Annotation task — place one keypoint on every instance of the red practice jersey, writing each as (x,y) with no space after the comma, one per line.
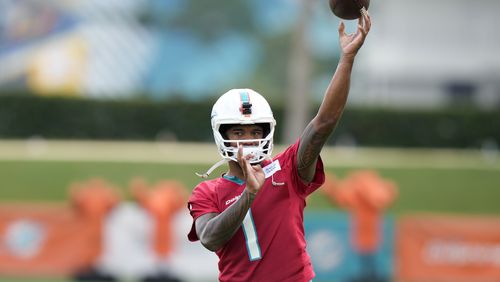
(270,245)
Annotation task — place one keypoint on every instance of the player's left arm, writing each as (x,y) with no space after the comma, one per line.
(322,125)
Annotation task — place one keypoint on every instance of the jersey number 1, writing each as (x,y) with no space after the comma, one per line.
(252,242)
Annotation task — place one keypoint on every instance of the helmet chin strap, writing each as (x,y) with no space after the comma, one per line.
(210,170)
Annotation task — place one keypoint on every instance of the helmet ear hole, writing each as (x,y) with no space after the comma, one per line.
(223,130)
(266,128)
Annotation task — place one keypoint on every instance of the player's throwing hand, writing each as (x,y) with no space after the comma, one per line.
(350,43)
(254,175)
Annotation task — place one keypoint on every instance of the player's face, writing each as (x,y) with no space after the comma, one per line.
(245,132)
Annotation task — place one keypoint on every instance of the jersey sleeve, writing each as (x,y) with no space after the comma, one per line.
(202,201)
(289,157)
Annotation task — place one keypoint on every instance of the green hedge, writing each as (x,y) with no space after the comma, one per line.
(71,118)
(23,116)
(453,128)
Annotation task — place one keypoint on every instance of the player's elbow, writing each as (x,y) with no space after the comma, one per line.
(210,241)
(209,244)
(325,125)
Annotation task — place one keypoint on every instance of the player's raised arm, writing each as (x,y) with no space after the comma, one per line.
(319,129)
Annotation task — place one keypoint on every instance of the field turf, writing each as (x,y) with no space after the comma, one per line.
(428,180)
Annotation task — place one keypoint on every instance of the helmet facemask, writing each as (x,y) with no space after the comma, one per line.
(228,148)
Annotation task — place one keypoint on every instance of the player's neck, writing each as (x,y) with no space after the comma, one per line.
(235,170)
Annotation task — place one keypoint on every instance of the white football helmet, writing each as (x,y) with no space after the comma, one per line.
(243,106)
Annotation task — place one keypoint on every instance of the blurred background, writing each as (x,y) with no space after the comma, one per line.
(104,106)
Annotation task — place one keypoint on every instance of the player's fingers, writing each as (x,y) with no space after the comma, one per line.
(244,160)
(241,160)
(341,29)
(361,25)
(362,30)
(365,13)
(257,167)
(239,155)
(367,20)
(360,34)
(258,170)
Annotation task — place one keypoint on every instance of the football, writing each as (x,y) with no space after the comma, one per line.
(348,9)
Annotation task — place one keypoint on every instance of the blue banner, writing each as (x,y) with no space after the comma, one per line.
(333,257)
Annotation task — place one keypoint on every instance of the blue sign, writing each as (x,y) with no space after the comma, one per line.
(329,244)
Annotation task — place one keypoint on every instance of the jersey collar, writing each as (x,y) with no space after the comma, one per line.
(234,179)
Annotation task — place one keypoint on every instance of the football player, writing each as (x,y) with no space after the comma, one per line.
(252,216)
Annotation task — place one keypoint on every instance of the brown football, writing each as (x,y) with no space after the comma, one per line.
(348,9)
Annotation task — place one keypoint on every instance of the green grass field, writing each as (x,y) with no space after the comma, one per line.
(428,180)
